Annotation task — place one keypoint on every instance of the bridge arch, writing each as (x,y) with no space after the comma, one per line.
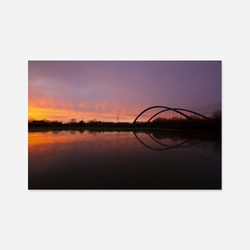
(164,109)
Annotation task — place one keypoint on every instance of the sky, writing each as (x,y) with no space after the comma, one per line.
(65,90)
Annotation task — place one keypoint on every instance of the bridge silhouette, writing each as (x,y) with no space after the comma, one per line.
(154,111)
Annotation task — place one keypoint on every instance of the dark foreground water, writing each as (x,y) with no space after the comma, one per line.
(122,160)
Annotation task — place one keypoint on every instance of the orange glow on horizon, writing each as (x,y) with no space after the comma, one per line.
(65,115)
(45,105)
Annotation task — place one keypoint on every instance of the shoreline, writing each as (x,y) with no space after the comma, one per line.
(181,132)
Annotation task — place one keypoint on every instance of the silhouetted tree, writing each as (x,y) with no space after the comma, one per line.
(81,123)
(73,120)
(217,114)
(94,120)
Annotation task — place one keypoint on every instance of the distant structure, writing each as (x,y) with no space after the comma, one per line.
(153,111)
(36,122)
(44,123)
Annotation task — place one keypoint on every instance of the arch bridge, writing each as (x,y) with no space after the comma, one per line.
(148,114)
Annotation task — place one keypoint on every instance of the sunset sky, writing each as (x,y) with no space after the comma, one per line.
(62,90)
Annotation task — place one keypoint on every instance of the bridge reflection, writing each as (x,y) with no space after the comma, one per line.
(167,142)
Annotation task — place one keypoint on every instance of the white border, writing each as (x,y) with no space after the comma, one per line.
(120,30)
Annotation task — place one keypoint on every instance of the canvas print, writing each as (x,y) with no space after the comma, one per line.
(124,125)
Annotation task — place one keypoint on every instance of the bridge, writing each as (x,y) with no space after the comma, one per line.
(148,114)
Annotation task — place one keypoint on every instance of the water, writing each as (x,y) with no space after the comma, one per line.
(122,160)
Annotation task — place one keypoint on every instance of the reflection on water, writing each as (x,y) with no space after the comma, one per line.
(122,160)
(157,139)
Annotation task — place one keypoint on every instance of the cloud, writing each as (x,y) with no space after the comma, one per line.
(104,89)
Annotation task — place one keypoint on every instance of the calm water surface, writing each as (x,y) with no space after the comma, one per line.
(122,160)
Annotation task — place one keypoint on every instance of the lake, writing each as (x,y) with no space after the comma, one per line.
(87,159)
